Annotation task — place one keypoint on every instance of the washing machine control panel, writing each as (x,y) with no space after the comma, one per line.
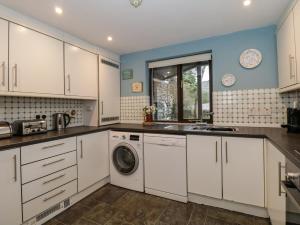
(134,137)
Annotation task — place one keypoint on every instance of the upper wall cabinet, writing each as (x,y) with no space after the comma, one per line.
(3,56)
(81,72)
(109,85)
(36,62)
(288,41)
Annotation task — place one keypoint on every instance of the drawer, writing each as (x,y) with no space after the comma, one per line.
(40,204)
(45,150)
(43,185)
(45,167)
(165,140)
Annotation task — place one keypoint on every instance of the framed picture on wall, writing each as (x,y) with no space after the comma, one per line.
(137,87)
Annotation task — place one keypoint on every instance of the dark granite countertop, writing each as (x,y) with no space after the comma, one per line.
(287,143)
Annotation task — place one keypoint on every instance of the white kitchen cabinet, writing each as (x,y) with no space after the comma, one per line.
(297,39)
(204,165)
(36,62)
(276,199)
(93,159)
(243,170)
(81,72)
(10,182)
(3,56)
(286,48)
(109,88)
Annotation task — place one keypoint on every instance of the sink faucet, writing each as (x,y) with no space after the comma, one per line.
(200,121)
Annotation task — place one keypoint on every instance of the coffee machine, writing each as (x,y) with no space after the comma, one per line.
(293,120)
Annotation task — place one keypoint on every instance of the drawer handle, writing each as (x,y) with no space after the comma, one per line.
(216,152)
(15,168)
(54,179)
(53,196)
(54,162)
(279,178)
(226,151)
(53,146)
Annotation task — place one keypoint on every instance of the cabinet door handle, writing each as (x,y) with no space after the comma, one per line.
(54,162)
(16,75)
(292,66)
(81,149)
(15,168)
(216,151)
(53,146)
(53,196)
(280,192)
(54,179)
(226,151)
(69,82)
(102,108)
(3,74)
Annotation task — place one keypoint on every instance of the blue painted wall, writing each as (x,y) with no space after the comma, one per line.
(226,50)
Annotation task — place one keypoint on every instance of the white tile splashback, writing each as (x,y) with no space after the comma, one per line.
(255,107)
(26,108)
(132,108)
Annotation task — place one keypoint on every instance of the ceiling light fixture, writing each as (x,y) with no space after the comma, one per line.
(136,3)
(58,10)
(109,38)
(247,2)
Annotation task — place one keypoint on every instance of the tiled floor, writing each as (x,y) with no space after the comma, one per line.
(116,206)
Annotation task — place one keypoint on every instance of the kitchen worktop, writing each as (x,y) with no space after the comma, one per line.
(287,143)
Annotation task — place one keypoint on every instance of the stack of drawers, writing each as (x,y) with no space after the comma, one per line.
(49,175)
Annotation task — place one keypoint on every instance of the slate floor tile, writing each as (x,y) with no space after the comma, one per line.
(117,206)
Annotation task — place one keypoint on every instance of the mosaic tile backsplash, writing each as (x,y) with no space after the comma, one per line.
(132,108)
(26,108)
(256,107)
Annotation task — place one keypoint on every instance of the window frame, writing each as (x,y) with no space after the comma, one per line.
(180,93)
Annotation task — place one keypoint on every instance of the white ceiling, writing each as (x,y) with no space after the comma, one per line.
(156,23)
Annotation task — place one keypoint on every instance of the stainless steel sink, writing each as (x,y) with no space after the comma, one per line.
(213,128)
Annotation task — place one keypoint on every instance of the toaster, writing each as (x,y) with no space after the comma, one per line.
(5,130)
(29,127)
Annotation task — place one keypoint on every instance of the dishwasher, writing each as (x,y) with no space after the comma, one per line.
(165,166)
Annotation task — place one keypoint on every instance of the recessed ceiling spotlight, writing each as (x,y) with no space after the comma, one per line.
(109,38)
(247,2)
(58,10)
(136,3)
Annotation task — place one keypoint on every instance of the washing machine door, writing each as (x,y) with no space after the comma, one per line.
(125,159)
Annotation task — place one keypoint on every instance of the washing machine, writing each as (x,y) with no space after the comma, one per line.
(127,160)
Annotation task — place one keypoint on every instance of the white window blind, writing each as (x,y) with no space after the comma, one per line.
(181,60)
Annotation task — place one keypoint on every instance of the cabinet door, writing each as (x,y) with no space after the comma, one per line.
(36,62)
(10,182)
(3,56)
(297,37)
(286,53)
(276,202)
(243,170)
(204,162)
(81,72)
(109,85)
(93,159)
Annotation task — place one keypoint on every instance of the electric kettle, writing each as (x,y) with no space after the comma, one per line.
(61,120)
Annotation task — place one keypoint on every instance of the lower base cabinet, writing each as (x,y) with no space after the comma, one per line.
(276,202)
(10,182)
(93,159)
(227,168)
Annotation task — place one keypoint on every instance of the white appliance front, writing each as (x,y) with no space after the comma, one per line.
(126,160)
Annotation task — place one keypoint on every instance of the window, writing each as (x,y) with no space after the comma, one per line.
(182,92)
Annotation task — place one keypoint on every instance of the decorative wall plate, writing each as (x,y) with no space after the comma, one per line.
(137,87)
(228,80)
(250,58)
